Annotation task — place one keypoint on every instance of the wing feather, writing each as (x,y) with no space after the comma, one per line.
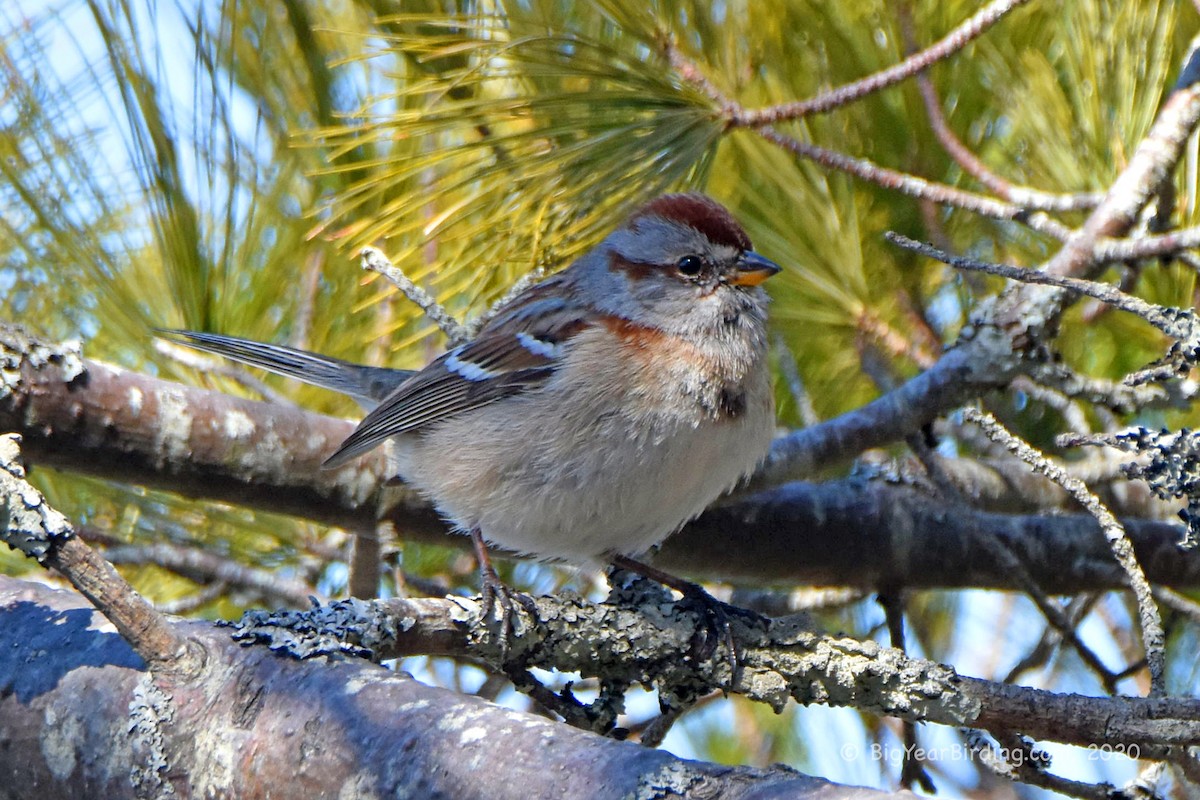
(516,352)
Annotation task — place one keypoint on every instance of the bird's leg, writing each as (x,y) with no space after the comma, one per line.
(495,592)
(716,612)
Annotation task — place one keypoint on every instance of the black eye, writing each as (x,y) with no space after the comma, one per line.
(690,265)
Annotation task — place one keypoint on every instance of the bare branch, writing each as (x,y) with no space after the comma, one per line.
(31,526)
(1159,246)
(947,46)
(374,260)
(1024,196)
(205,567)
(917,187)
(1153,638)
(795,384)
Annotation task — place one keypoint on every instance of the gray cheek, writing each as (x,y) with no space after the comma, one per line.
(652,292)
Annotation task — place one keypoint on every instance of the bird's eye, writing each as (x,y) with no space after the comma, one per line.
(690,265)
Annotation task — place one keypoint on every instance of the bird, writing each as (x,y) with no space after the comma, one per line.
(596,412)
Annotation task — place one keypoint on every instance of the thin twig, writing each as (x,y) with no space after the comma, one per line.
(1033,199)
(999,550)
(923,334)
(1161,245)
(212,366)
(1153,638)
(897,344)
(189,603)
(1189,258)
(1052,637)
(652,731)
(374,260)
(1024,196)
(913,186)
(527,280)
(1179,324)
(791,376)
(913,769)
(1178,603)
(1017,760)
(948,45)
(1073,414)
(206,567)
(310,282)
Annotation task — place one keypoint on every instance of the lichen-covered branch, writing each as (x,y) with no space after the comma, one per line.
(252,724)
(86,416)
(1153,637)
(30,525)
(374,260)
(840,533)
(641,636)
(1005,331)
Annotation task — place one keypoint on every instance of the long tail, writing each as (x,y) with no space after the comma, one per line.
(367,385)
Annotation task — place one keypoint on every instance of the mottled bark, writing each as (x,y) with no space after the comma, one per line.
(81,718)
(639,636)
(129,427)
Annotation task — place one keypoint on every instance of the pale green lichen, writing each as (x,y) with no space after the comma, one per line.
(29,524)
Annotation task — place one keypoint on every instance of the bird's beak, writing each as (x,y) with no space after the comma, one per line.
(752,269)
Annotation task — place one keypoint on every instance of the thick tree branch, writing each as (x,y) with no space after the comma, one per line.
(993,349)
(780,662)
(850,532)
(255,725)
(30,525)
(89,417)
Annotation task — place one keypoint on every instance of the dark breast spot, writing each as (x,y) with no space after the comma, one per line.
(732,402)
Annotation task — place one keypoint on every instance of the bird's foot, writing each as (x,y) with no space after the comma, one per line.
(717,615)
(499,597)
(496,595)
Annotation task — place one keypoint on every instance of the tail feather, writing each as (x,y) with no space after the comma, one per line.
(367,385)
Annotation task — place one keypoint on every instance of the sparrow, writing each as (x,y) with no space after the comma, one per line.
(596,412)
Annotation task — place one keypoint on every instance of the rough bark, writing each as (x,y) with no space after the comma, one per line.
(80,717)
(640,636)
(86,416)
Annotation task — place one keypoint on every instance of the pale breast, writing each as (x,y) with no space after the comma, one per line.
(565,472)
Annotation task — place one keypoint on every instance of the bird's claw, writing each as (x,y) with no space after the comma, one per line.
(718,626)
(496,595)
